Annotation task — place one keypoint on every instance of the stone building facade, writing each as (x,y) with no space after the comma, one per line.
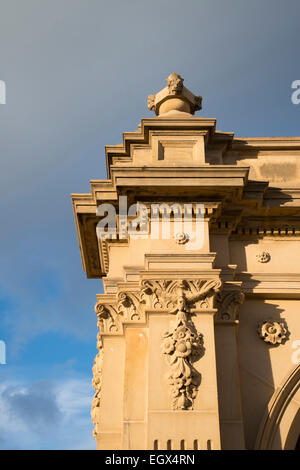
(199,327)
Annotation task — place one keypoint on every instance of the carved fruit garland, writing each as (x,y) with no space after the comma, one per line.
(182,344)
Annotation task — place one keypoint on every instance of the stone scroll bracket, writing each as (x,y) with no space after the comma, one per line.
(228,301)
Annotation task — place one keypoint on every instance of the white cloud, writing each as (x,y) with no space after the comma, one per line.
(46,415)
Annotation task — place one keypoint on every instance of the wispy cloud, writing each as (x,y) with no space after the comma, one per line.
(46,415)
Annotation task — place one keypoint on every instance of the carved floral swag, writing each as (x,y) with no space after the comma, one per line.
(182,344)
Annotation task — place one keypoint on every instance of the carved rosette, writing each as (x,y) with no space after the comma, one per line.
(181,238)
(263,257)
(272,332)
(182,345)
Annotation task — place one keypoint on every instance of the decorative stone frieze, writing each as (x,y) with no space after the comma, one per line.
(272,331)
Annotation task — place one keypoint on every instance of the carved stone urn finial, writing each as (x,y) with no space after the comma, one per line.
(174,97)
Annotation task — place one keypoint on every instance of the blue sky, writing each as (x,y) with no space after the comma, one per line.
(78,73)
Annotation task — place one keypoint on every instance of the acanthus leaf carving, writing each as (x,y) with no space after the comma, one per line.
(202,291)
(168,294)
(158,294)
(108,318)
(129,306)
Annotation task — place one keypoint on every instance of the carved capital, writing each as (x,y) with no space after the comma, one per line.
(108,318)
(158,294)
(174,295)
(129,306)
